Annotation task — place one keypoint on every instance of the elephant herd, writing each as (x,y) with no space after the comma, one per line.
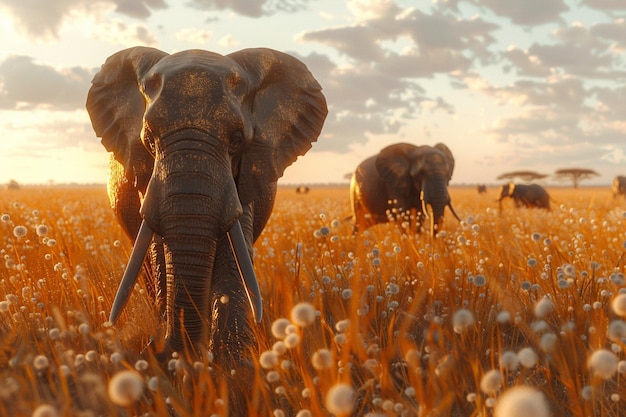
(198,141)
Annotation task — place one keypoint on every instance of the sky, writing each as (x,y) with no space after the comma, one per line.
(534,85)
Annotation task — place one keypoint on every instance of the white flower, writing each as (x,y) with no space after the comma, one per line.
(141,365)
(322,359)
(45,410)
(522,401)
(342,325)
(41,362)
(279,327)
(340,399)
(544,307)
(602,363)
(491,382)
(619,305)
(461,320)
(292,340)
(125,388)
(509,360)
(527,357)
(268,359)
(617,331)
(548,342)
(42,230)
(20,231)
(303,314)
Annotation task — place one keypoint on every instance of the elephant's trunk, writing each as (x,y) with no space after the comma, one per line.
(435,195)
(189,255)
(191,202)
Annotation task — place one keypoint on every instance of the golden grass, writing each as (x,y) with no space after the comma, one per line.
(389,310)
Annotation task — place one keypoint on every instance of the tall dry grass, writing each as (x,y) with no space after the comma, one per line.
(381,324)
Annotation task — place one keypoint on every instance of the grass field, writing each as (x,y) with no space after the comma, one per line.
(382,324)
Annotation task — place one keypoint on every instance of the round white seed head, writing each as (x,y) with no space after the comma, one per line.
(522,401)
(125,388)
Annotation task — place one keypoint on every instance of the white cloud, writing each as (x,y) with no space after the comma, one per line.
(194,35)
(42,19)
(25,84)
(527,12)
(228,41)
(391,70)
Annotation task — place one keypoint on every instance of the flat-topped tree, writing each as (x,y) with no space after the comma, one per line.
(576,175)
(526,176)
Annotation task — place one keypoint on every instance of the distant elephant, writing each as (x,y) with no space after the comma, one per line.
(402,178)
(303,189)
(619,186)
(531,195)
(482,188)
(198,141)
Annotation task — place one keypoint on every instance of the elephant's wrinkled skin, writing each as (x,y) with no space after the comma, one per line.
(402,178)
(531,195)
(198,141)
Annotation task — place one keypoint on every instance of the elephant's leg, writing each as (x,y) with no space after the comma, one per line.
(231,335)
(231,316)
(124,198)
(125,202)
(359,214)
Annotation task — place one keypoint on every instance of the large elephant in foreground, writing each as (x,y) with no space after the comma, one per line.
(530,195)
(619,186)
(402,178)
(198,141)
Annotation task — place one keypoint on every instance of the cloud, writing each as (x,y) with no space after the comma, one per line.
(355,112)
(614,32)
(389,50)
(25,85)
(606,5)
(252,8)
(576,50)
(194,35)
(527,12)
(44,18)
(559,113)
(139,9)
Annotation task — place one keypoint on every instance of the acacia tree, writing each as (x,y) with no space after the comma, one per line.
(576,175)
(527,176)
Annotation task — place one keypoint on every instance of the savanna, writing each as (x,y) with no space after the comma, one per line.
(519,310)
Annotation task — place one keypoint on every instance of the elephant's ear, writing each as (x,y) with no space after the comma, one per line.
(116,106)
(287,113)
(393,164)
(446,151)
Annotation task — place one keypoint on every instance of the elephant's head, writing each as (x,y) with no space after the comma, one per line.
(506,191)
(203,138)
(423,171)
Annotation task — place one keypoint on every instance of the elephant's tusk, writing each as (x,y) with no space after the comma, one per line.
(137,255)
(433,226)
(424,208)
(246,270)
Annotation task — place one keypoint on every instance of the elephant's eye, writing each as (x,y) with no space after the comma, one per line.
(236,142)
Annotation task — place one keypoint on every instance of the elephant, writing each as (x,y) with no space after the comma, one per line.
(402,178)
(197,142)
(619,186)
(527,195)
